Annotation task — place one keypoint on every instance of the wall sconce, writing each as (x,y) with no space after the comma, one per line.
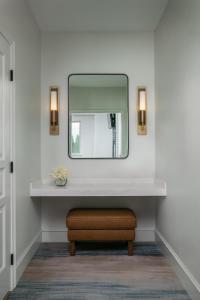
(142,110)
(54,117)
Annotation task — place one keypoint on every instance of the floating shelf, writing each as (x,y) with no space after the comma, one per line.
(100,187)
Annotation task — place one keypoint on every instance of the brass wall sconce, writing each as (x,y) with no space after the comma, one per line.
(54,111)
(142,111)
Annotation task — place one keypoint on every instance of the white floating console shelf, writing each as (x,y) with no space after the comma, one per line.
(100,187)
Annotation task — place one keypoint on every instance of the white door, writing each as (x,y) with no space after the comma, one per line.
(5,176)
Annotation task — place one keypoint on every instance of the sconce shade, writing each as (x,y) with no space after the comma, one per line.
(54,100)
(142,98)
(54,116)
(142,111)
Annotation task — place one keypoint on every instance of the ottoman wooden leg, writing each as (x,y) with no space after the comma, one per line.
(130,248)
(72,248)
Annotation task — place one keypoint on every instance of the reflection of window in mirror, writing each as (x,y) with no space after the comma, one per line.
(76,147)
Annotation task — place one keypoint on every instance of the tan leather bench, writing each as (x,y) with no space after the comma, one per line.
(106,224)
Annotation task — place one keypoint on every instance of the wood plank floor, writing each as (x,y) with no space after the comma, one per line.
(99,272)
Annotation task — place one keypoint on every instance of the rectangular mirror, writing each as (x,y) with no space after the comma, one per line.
(98,116)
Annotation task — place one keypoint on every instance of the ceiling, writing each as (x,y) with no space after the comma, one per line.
(97,15)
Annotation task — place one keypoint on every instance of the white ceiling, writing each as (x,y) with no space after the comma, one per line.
(97,15)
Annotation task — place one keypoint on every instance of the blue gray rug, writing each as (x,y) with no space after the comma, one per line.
(99,272)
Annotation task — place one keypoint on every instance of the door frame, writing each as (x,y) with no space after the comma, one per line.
(11,43)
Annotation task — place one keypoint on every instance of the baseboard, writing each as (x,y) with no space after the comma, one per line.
(27,255)
(50,236)
(184,274)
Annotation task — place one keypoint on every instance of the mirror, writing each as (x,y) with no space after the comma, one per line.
(98,116)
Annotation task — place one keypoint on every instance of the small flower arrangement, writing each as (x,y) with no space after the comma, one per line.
(60,176)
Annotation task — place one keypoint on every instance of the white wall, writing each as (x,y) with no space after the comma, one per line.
(177,129)
(130,53)
(65,53)
(16,20)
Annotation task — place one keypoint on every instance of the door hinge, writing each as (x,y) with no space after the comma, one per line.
(12,259)
(11,75)
(11,167)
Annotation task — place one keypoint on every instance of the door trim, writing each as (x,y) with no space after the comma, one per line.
(11,42)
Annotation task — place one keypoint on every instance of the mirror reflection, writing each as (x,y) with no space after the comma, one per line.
(98,116)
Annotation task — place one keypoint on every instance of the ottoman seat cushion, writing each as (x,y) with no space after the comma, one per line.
(101,219)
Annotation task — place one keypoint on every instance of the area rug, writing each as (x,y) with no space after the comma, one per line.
(99,272)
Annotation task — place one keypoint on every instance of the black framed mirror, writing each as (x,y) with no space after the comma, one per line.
(98,116)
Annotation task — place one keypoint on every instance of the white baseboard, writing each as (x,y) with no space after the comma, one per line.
(142,235)
(27,255)
(184,274)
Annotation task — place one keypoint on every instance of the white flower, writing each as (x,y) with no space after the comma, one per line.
(59,173)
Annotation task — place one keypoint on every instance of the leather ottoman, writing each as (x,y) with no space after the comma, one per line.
(106,224)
